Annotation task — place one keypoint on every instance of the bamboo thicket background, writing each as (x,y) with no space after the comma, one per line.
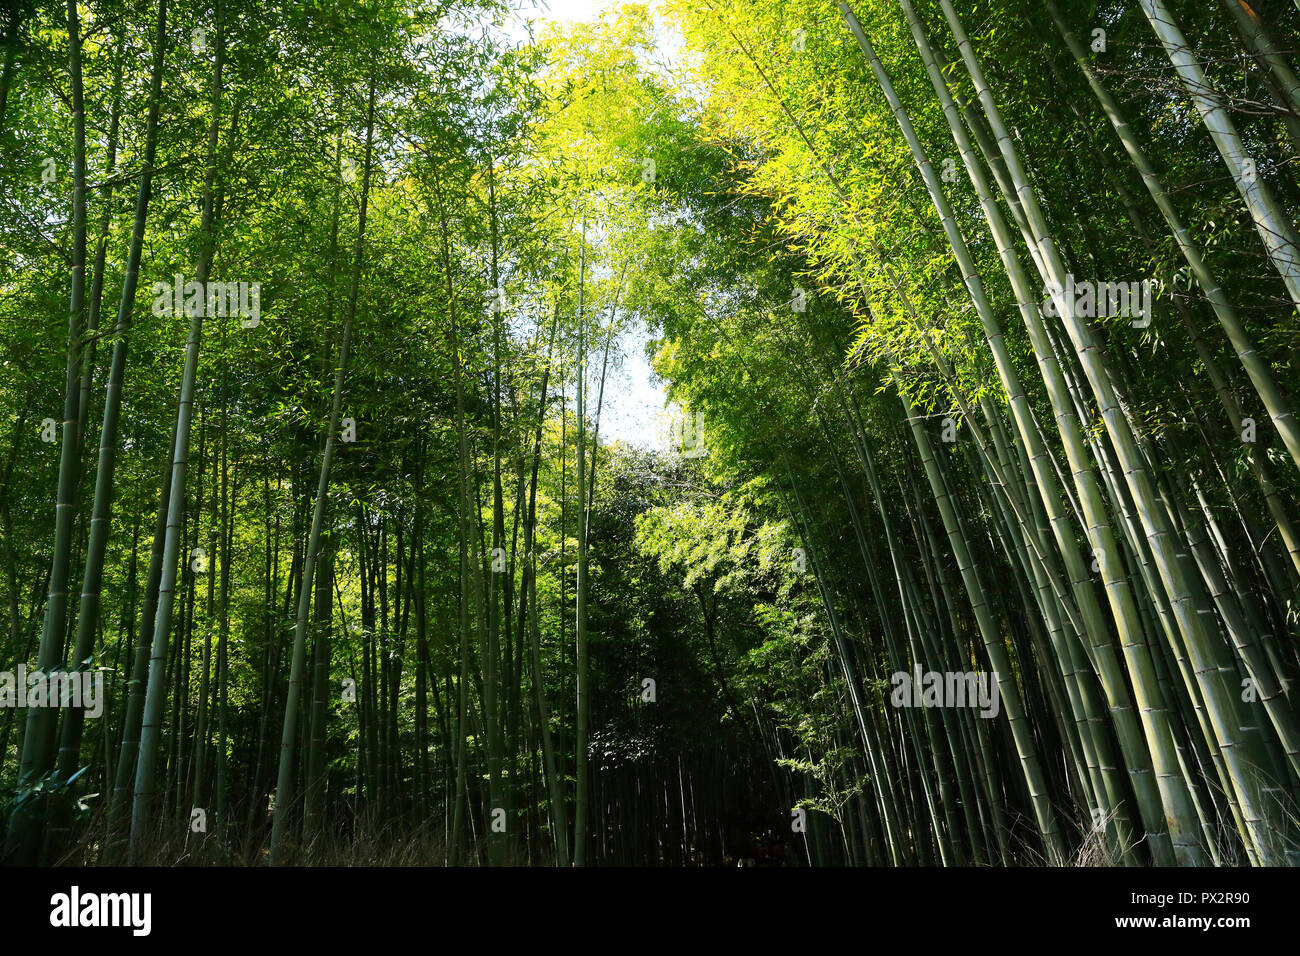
(366,578)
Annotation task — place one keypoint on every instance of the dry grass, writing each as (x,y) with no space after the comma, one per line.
(367,842)
(370,841)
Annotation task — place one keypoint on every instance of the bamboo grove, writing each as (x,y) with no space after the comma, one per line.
(981,320)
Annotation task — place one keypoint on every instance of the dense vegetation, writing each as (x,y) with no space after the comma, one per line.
(984,325)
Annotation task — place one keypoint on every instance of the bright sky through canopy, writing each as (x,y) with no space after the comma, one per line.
(634,409)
